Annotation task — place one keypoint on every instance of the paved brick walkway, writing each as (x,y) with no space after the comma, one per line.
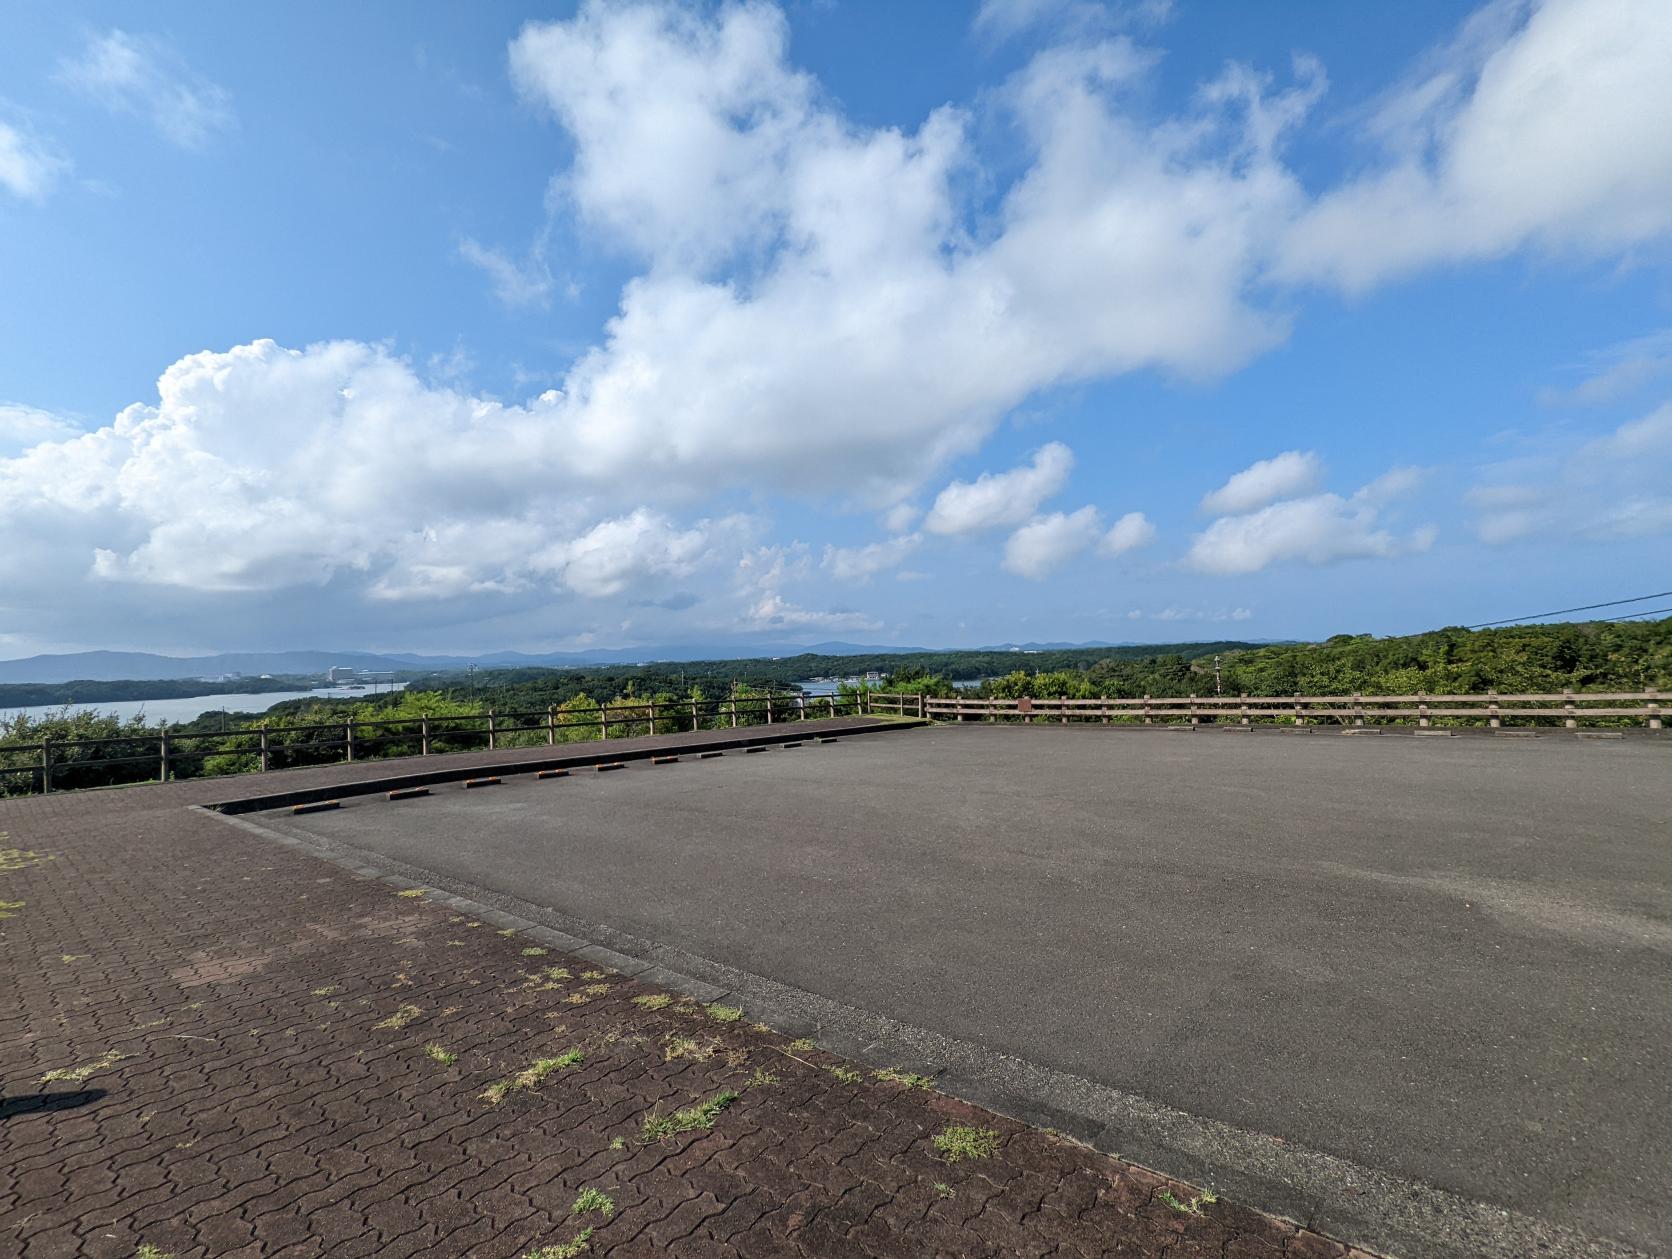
(223,1047)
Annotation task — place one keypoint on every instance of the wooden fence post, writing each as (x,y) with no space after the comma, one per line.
(652,716)
(348,738)
(696,722)
(1492,708)
(1422,709)
(731,703)
(1194,719)
(1358,709)
(769,707)
(46,766)
(832,700)
(1653,707)
(1572,722)
(551,725)
(423,734)
(1300,717)
(603,721)
(266,750)
(1062,707)
(162,752)
(1148,719)
(492,741)
(1245,722)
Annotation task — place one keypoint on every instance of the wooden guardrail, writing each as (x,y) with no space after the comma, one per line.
(1570,708)
(158,755)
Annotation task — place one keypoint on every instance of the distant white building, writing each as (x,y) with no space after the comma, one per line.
(338,674)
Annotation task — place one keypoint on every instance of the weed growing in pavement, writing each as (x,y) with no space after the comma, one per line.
(399,1019)
(943,1189)
(659,1127)
(564,1250)
(330,990)
(148,1251)
(596,990)
(724,1013)
(437,1053)
(960,1142)
(78,1074)
(593,1200)
(20,859)
(67,958)
(889,1075)
(509,931)
(6,908)
(802,1046)
(761,1078)
(411,893)
(845,1076)
(618,1143)
(653,1001)
(1194,1207)
(535,951)
(678,1047)
(531,1076)
(592,974)
(759,1027)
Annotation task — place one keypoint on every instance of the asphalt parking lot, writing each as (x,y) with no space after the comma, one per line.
(1445,961)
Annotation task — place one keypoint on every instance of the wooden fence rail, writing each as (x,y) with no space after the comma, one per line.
(1493,710)
(164,752)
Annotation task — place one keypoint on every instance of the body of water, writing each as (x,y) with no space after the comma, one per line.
(192,707)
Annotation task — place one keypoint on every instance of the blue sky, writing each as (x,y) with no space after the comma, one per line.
(444,327)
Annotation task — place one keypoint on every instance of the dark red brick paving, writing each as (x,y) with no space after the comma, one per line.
(257,1109)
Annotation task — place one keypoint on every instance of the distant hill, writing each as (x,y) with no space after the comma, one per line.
(143,666)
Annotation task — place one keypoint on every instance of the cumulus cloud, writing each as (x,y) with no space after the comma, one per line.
(1046,543)
(1542,125)
(146,76)
(22,427)
(1315,529)
(1282,476)
(28,166)
(1605,488)
(1130,533)
(834,301)
(616,554)
(994,500)
(861,563)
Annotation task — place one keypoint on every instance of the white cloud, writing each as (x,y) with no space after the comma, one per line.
(146,76)
(1606,488)
(22,427)
(994,500)
(824,302)
(1046,543)
(901,517)
(1317,529)
(1542,125)
(861,563)
(1618,372)
(526,283)
(28,168)
(1130,533)
(631,550)
(1191,614)
(774,612)
(1282,476)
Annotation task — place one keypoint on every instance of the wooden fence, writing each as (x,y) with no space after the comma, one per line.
(1570,709)
(151,756)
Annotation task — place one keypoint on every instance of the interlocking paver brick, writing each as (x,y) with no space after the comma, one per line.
(259,1108)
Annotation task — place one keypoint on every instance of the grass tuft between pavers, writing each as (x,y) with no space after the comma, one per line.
(960,1141)
(593,1200)
(531,1076)
(659,1127)
(563,1250)
(77,1074)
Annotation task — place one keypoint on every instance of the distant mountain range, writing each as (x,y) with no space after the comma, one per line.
(115,666)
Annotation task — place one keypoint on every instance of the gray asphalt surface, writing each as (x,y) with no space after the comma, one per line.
(1447,959)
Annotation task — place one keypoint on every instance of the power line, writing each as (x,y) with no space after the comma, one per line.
(1630,616)
(1614,603)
